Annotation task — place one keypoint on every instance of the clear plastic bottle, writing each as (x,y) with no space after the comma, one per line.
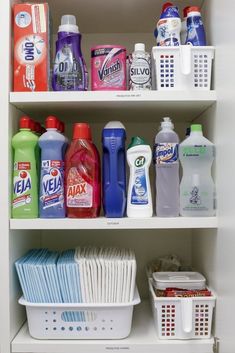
(167,170)
(139,69)
(197,189)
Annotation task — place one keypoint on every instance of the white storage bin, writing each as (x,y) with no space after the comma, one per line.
(80,321)
(182,68)
(182,318)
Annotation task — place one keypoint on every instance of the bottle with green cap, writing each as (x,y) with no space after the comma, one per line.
(139,199)
(197,189)
(25,179)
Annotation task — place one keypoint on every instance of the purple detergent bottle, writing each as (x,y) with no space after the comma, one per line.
(69,71)
(51,202)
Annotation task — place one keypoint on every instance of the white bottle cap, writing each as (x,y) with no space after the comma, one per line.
(139,47)
(167,124)
(114,125)
(68,24)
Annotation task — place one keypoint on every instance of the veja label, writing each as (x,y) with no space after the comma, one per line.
(22,185)
(52,184)
(166,153)
(79,192)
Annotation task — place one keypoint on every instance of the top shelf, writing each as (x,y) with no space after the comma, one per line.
(97,105)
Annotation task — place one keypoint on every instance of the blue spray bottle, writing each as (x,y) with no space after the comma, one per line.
(51,203)
(114,170)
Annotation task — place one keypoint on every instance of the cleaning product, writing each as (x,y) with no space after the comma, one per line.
(139,69)
(168,28)
(114,169)
(70,72)
(25,180)
(108,68)
(82,175)
(197,189)
(184,30)
(51,202)
(196,35)
(139,199)
(167,170)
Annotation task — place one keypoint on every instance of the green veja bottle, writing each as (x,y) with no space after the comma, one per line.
(25,179)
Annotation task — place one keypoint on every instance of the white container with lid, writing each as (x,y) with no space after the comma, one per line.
(182,280)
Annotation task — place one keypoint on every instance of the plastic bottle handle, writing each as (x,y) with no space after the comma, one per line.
(185,59)
(113,162)
(187,314)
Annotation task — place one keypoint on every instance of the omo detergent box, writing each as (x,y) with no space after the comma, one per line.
(31,47)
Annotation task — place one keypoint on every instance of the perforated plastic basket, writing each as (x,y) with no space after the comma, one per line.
(183,68)
(182,318)
(80,321)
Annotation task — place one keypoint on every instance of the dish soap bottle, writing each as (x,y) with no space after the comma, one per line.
(69,72)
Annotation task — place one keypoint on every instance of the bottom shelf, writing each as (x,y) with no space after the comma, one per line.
(143,339)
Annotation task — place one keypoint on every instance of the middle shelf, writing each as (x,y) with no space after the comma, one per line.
(116,223)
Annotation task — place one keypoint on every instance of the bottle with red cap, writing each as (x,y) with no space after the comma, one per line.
(52,203)
(184,30)
(25,180)
(167,31)
(82,175)
(196,35)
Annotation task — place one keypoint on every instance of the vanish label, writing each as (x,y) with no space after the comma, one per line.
(108,68)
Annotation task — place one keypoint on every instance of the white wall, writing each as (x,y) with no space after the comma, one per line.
(214,252)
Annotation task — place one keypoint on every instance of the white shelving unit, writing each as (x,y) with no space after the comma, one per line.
(117,223)
(207,244)
(141,340)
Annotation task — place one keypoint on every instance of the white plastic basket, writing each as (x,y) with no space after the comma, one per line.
(183,68)
(182,318)
(80,321)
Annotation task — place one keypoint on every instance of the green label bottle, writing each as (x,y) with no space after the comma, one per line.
(25,179)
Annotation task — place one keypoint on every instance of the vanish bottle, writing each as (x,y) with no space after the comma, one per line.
(70,72)
(82,175)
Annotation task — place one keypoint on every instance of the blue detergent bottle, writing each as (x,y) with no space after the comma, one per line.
(51,202)
(114,170)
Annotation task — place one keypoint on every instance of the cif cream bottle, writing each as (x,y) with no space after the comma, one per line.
(139,200)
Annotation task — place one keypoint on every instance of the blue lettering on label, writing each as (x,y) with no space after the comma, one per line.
(22,185)
(29,51)
(166,153)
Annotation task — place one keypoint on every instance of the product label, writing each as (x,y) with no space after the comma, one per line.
(139,193)
(52,184)
(79,192)
(140,73)
(168,32)
(22,184)
(68,69)
(166,153)
(196,199)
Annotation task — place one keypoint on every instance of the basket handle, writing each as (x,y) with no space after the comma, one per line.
(187,314)
(185,59)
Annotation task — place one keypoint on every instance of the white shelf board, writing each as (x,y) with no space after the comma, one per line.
(97,105)
(116,223)
(143,339)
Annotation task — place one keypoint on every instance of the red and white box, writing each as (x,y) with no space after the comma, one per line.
(31,47)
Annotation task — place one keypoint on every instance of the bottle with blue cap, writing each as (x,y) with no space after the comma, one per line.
(114,169)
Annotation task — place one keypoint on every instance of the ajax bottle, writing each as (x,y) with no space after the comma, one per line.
(197,189)
(70,72)
(82,175)
(25,181)
(167,170)
(139,69)
(52,204)
(114,169)
(196,35)
(168,27)
(139,199)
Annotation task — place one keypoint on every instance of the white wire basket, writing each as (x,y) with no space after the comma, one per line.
(182,68)
(80,321)
(182,318)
